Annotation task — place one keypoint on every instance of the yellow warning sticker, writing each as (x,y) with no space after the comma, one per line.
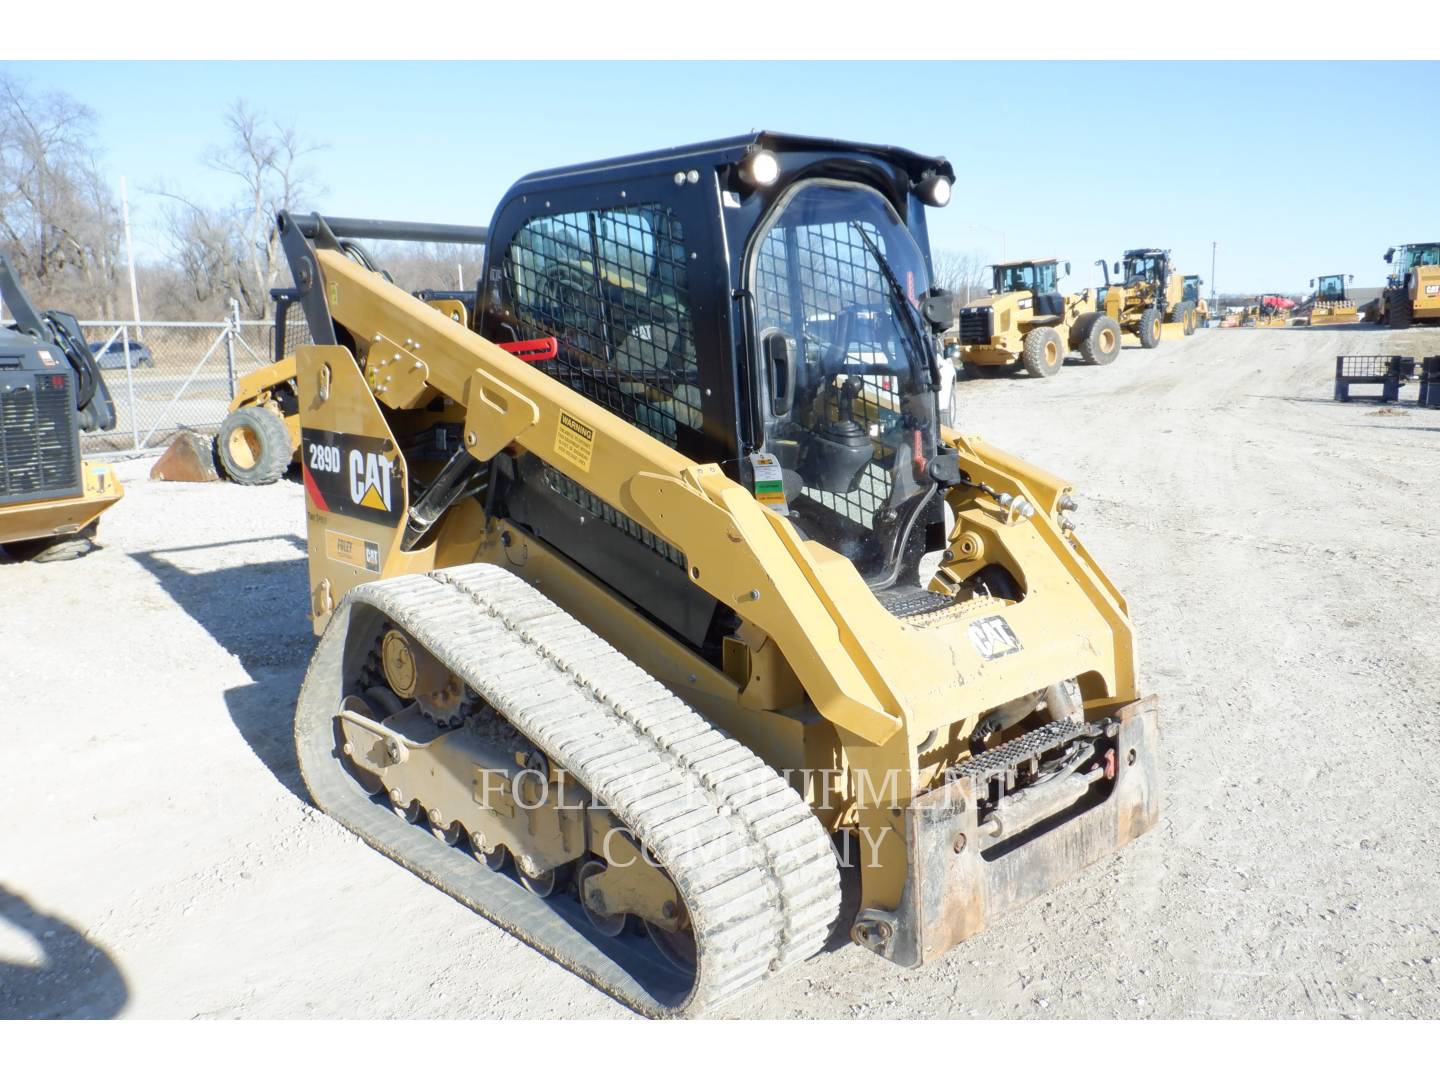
(351,550)
(574,441)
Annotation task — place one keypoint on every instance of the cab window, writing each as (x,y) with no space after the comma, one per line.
(612,287)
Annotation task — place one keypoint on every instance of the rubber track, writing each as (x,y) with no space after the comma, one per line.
(755,868)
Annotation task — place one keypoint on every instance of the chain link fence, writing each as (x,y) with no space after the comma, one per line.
(168,376)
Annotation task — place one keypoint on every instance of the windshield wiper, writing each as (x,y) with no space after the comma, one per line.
(897,291)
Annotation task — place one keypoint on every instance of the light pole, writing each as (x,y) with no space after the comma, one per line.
(1214,293)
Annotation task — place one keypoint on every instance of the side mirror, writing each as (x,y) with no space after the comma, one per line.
(1352,277)
(1067,266)
(1312,283)
(1117,268)
(775,347)
(1389,255)
(938,308)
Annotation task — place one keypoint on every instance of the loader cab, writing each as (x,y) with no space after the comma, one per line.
(1192,288)
(1031,277)
(1330,287)
(1407,257)
(758,302)
(1038,278)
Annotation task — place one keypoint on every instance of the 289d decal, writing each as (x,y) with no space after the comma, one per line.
(354,475)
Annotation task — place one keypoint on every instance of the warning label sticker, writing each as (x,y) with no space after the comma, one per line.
(351,550)
(769,483)
(574,441)
(993,637)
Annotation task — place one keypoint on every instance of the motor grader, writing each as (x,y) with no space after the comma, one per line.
(1148,297)
(51,389)
(1191,295)
(1412,289)
(632,633)
(1027,322)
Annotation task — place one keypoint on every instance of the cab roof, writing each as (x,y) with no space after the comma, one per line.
(736,147)
(1023,262)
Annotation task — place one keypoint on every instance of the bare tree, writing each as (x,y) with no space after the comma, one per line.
(208,250)
(267,159)
(962,272)
(235,250)
(58,218)
(432,266)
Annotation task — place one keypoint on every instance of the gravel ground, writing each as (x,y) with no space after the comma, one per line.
(158,857)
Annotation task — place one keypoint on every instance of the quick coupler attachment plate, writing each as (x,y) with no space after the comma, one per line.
(971,857)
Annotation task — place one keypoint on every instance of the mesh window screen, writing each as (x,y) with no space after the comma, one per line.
(612,287)
(806,278)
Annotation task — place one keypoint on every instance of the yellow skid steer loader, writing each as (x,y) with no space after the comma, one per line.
(655,598)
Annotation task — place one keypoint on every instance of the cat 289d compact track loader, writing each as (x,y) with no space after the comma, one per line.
(625,642)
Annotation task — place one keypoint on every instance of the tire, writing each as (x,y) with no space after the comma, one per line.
(1149,329)
(253,446)
(986,371)
(55,548)
(1398,313)
(1043,353)
(1101,344)
(1080,329)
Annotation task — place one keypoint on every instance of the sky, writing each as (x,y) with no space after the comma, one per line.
(1291,169)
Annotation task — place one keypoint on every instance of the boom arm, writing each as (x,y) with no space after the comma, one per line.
(738,552)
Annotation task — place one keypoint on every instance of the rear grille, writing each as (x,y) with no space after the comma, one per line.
(38,446)
(976,326)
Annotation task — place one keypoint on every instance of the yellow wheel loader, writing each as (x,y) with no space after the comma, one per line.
(1148,298)
(1027,322)
(1412,290)
(633,634)
(51,389)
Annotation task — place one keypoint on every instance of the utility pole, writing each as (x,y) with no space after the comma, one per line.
(130,257)
(1214,292)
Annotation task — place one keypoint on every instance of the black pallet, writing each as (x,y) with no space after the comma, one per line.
(1430,382)
(1386,372)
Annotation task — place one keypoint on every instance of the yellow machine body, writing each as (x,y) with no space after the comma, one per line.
(262,387)
(1412,289)
(882,686)
(54,518)
(1148,299)
(873,716)
(1330,303)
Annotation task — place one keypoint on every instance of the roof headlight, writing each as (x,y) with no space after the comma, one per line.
(760,169)
(933,189)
